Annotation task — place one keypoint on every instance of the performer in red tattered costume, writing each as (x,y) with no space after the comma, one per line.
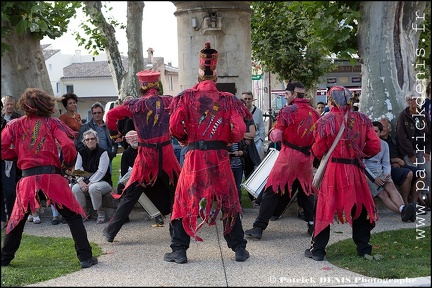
(206,120)
(292,169)
(31,140)
(344,189)
(156,168)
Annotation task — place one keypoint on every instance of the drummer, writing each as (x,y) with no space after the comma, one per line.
(293,167)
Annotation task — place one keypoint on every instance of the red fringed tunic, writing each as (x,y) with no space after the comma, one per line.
(344,185)
(34,139)
(150,115)
(204,113)
(296,122)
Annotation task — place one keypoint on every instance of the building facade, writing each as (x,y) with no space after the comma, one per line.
(89,77)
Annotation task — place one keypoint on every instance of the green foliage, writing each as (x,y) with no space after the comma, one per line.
(405,253)
(40,18)
(40,259)
(94,39)
(297,39)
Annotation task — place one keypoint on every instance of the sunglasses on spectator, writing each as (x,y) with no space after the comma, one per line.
(97,112)
(247,98)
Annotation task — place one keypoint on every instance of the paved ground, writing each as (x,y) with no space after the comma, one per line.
(135,258)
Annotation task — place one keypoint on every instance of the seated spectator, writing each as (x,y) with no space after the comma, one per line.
(34,217)
(414,139)
(95,160)
(380,183)
(403,175)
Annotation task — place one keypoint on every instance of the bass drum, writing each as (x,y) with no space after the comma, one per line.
(257,180)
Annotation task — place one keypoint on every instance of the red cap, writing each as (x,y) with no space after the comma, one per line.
(148,76)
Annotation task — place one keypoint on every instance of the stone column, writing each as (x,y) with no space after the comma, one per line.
(226,25)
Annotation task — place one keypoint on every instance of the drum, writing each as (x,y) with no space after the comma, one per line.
(257,180)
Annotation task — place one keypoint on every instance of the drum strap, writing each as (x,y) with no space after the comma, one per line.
(304,149)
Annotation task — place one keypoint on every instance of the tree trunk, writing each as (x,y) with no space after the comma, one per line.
(135,10)
(125,81)
(387,41)
(23,66)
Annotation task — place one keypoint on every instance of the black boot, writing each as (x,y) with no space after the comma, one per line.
(178,256)
(255,232)
(241,254)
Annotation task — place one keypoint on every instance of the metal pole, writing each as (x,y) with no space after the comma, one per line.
(270,102)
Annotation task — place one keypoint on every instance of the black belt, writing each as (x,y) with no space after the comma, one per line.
(157,146)
(347,161)
(50,169)
(303,149)
(154,145)
(208,145)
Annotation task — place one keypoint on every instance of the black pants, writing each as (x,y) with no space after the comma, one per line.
(180,240)
(272,202)
(361,234)
(83,249)
(161,194)
(309,202)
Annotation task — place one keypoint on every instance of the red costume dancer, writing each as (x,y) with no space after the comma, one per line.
(344,189)
(156,168)
(31,140)
(292,169)
(206,120)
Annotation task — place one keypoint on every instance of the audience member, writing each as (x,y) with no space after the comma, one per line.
(98,124)
(258,120)
(34,217)
(10,174)
(252,159)
(378,171)
(207,120)
(38,159)
(414,139)
(71,117)
(95,160)
(344,189)
(403,175)
(320,108)
(239,151)
(124,126)
(156,168)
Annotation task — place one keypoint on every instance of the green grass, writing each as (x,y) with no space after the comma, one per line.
(406,253)
(40,259)
(116,169)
